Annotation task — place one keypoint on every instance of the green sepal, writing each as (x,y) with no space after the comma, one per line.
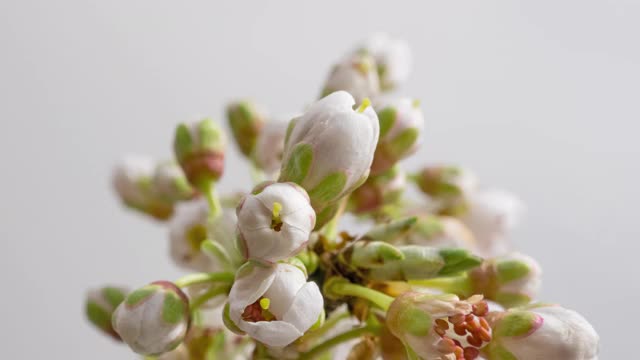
(140,295)
(98,316)
(510,270)
(329,189)
(510,300)
(226,319)
(173,308)
(401,144)
(516,323)
(298,164)
(392,230)
(495,351)
(290,126)
(183,144)
(211,135)
(386,118)
(458,260)
(371,254)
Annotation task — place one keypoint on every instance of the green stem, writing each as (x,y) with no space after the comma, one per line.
(208,189)
(379,299)
(332,321)
(338,339)
(210,294)
(459,285)
(331,228)
(216,250)
(201,278)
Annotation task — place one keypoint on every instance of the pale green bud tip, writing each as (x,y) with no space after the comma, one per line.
(517,323)
(393,230)
(458,260)
(246,122)
(200,150)
(371,254)
(511,269)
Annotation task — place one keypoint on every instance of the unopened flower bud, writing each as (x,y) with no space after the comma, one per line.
(447,187)
(542,332)
(491,216)
(393,230)
(440,232)
(200,148)
(246,121)
(329,149)
(133,181)
(421,262)
(370,254)
(190,227)
(275,221)
(384,189)
(437,327)
(401,128)
(170,183)
(510,280)
(100,305)
(274,304)
(393,59)
(356,74)
(153,319)
(270,146)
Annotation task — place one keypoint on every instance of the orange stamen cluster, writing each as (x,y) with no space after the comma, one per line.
(473,327)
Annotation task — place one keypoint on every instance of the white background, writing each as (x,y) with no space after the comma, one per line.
(539,97)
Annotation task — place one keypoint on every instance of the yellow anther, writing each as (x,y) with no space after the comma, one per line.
(277,207)
(416,103)
(264,303)
(365,104)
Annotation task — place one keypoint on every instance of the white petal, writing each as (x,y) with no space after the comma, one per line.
(306,307)
(282,292)
(249,287)
(271,333)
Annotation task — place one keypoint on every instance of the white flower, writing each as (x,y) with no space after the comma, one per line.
(154,319)
(329,149)
(401,128)
(551,332)
(189,228)
(270,146)
(132,180)
(275,221)
(357,74)
(491,216)
(393,59)
(274,304)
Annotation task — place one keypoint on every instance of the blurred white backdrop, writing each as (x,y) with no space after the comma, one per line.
(539,97)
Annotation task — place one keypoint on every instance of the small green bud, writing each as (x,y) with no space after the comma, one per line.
(100,305)
(447,185)
(391,231)
(246,121)
(309,259)
(370,254)
(199,149)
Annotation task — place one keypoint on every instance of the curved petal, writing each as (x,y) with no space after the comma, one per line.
(282,292)
(272,333)
(252,282)
(306,307)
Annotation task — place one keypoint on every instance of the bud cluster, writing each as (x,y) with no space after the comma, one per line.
(279,274)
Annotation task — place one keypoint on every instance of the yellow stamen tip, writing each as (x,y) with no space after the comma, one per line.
(277,207)
(416,103)
(365,104)
(264,303)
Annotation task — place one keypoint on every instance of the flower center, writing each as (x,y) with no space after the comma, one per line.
(276,222)
(196,235)
(464,335)
(258,311)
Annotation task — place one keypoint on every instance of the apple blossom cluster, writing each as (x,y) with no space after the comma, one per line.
(277,274)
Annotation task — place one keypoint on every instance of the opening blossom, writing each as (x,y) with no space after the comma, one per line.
(329,150)
(274,221)
(274,304)
(356,74)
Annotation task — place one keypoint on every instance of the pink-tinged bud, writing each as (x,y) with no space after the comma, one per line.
(393,59)
(170,183)
(447,187)
(200,149)
(437,327)
(542,332)
(510,280)
(246,120)
(153,319)
(274,222)
(133,182)
(378,191)
(100,305)
(401,128)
